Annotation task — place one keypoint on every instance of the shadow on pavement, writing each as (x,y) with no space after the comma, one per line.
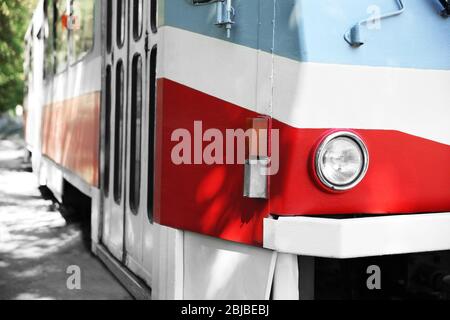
(40,240)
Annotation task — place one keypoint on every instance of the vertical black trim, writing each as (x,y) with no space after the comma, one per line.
(152,128)
(136,134)
(118,131)
(107,130)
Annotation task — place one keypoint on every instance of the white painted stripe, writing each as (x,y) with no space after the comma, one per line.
(311,95)
(83,78)
(215,67)
(360,237)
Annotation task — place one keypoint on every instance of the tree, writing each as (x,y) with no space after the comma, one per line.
(14,19)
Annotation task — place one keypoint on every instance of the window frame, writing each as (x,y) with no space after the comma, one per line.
(71,59)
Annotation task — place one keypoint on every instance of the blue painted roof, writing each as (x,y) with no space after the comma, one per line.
(313,30)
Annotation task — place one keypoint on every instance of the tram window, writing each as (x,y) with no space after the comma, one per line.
(48,36)
(61,35)
(151,139)
(120,23)
(107,130)
(82,17)
(109,13)
(137,19)
(118,130)
(154,15)
(136,134)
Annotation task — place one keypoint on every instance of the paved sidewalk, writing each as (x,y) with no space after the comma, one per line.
(37,246)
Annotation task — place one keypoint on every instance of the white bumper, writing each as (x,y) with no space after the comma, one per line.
(358,237)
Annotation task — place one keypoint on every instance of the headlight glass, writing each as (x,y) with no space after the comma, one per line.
(342,161)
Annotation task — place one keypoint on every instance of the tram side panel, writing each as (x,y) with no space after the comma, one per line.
(71,89)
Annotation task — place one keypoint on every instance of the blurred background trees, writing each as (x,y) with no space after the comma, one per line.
(15,16)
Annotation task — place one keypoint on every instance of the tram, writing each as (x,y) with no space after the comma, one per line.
(250,149)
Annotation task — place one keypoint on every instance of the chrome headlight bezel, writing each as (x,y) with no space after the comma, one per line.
(322,150)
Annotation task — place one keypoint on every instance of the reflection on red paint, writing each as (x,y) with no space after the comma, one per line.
(211,184)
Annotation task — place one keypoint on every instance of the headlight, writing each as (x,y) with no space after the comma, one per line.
(342,161)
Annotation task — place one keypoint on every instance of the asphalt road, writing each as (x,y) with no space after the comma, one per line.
(42,256)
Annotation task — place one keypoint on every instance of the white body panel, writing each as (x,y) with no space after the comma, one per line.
(358,237)
(168,264)
(194,267)
(220,270)
(286,273)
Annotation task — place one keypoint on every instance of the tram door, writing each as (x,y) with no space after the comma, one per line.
(115,115)
(129,119)
(140,138)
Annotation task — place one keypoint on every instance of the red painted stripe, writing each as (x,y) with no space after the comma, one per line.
(407,174)
(200,198)
(71,135)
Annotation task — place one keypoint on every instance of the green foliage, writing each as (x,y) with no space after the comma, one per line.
(15,16)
